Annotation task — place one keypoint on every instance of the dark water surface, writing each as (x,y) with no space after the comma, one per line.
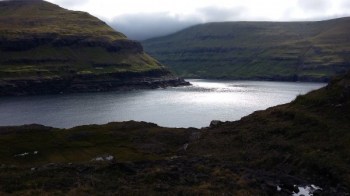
(193,106)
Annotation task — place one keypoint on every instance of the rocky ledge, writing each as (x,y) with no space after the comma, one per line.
(80,83)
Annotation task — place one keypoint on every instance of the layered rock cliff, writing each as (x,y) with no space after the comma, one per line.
(47,49)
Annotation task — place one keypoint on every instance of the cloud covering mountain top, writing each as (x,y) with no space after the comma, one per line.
(145,19)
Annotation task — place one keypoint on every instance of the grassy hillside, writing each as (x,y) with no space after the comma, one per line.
(270,152)
(19,18)
(257,50)
(41,42)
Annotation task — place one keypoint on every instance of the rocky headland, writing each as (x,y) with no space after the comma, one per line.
(52,50)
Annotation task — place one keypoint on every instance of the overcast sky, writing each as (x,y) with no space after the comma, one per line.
(142,19)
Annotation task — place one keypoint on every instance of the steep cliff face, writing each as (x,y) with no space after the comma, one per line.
(47,49)
(257,50)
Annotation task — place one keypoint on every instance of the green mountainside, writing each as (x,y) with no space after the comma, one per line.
(270,152)
(257,50)
(47,49)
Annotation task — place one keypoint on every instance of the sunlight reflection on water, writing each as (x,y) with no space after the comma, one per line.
(192,106)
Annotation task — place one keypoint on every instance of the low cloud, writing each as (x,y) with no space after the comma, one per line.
(69,3)
(346,5)
(170,17)
(216,14)
(318,6)
(145,25)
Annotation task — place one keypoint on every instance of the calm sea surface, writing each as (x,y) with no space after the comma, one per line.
(192,106)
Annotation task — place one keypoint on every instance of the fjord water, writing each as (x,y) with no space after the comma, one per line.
(190,106)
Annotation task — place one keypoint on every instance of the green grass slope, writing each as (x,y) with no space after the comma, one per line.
(41,42)
(257,50)
(26,17)
(293,145)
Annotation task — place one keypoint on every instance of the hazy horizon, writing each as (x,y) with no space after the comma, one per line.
(148,19)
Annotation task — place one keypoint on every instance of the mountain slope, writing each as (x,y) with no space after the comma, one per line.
(257,50)
(270,152)
(47,49)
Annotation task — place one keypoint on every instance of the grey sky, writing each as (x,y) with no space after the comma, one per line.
(314,5)
(140,19)
(146,25)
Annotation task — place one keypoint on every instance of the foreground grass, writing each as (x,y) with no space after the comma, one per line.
(129,141)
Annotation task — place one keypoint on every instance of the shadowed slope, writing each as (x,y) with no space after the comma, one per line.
(257,50)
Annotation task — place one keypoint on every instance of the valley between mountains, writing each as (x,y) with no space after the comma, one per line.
(301,147)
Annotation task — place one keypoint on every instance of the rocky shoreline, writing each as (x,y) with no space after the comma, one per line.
(90,83)
(287,78)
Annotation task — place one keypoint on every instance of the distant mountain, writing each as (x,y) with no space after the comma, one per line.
(257,50)
(47,49)
(278,151)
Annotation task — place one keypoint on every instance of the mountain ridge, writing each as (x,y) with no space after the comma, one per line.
(293,51)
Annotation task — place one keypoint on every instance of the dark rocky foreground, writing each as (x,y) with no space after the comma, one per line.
(173,176)
(303,145)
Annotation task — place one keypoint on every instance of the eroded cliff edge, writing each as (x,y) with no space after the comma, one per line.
(45,49)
